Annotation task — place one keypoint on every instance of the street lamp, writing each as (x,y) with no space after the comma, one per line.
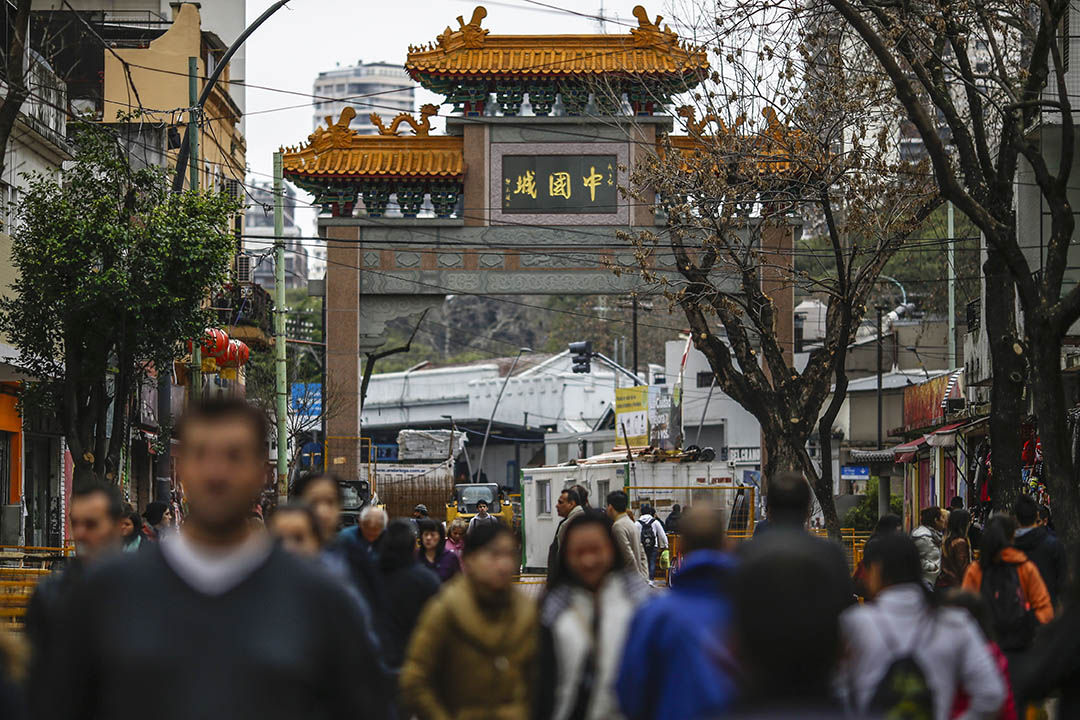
(483,448)
(453,429)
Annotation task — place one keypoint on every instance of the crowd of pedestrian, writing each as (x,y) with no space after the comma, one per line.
(406,618)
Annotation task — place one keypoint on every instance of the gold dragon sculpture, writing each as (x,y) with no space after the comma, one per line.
(422,128)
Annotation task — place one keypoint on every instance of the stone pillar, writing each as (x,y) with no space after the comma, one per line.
(642,144)
(777,269)
(476,137)
(342,329)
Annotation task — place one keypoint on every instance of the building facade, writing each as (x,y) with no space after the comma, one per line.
(381,87)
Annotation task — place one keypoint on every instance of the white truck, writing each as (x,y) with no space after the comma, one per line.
(660,484)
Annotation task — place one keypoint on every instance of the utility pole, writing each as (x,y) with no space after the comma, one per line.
(635,336)
(163,465)
(491,418)
(952,290)
(193,184)
(883,482)
(280,379)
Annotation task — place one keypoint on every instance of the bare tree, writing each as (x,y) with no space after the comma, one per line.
(983,87)
(736,186)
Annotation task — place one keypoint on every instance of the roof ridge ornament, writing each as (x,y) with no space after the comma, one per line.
(420,129)
(470,35)
(335,134)
(648,33)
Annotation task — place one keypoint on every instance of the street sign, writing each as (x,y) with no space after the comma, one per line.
(632,412)
(855,472)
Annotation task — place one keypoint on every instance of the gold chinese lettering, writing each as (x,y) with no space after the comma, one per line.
(559,184)
(591,181)
(526,184)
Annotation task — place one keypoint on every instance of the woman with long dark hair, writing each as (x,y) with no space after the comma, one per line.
(955,550)
(584,619)
(433,553)
(1012,586)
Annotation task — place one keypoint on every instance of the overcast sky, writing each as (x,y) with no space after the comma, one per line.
(308,36)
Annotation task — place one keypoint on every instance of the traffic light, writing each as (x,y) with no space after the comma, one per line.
(582,352)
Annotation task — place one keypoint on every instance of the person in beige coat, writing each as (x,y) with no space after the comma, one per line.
(627,533)
(473,653)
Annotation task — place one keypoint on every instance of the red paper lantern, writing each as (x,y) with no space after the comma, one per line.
(235,355)
(213,343)
(244,352)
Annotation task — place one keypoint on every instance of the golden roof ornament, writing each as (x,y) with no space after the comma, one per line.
(335,135)
(648,33)
(469,35)
(420,129)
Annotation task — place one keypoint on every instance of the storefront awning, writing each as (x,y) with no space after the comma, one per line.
(908,452)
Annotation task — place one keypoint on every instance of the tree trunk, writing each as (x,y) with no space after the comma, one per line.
(1049,397)
(1007,390)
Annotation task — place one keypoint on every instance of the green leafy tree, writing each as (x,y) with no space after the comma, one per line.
(863,515)
(113,273)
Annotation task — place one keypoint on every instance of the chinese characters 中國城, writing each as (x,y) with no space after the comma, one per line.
(562,184)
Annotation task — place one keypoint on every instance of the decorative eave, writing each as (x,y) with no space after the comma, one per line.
(461,63)
(338,164)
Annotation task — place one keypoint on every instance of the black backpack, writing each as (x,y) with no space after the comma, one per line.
(903,692)
(648,534)
(1014,620)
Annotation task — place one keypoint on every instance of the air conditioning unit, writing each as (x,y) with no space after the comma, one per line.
(245,269)
(233,189)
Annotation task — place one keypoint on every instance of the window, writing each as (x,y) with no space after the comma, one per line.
(543,497)
(704,379)
(603,487)
(511,474)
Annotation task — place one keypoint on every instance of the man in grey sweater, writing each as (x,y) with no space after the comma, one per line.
(217,621)
(627,534)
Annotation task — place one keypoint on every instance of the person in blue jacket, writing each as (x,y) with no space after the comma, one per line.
(677,663)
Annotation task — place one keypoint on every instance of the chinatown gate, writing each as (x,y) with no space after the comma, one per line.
(523,204)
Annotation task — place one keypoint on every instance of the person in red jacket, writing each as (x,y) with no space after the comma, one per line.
(980,611)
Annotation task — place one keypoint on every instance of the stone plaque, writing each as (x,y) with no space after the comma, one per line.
(560,184)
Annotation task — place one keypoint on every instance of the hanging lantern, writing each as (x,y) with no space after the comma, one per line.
(235,355)
(213,343)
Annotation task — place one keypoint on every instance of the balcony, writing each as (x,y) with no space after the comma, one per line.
(974,315)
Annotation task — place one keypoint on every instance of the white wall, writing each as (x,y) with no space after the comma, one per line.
(741,429)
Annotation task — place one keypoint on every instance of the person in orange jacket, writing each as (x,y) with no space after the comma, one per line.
(1012,586)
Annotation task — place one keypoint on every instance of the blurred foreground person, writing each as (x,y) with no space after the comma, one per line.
(1052,664)
(1041,547)
(785,624)
(980,612)
(296,528)
(408,586)
(1013,589)
(886,524)
(12,660)
(584,619)
(907,657)
(788,509)
(627,537)
(677,665)
(473,653)
(95,512)
(433,553)
(216,621)
(346,560)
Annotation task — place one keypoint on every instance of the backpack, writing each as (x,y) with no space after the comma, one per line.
(648,535)
(903,692)
(1014,620)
